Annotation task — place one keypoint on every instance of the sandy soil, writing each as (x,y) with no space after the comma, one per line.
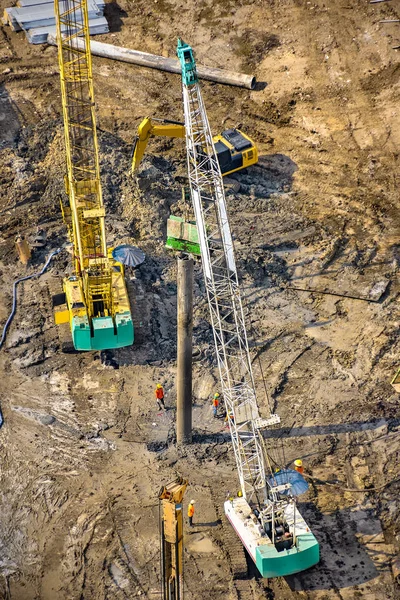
(83,449)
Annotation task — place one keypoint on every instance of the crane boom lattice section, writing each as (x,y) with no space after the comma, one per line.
(223,293)
(95,302)
(83,173)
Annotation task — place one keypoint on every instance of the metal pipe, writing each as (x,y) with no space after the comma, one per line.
(184,358)
(294,523)
(273,522)
(172,65)
(163,565)
(23,249)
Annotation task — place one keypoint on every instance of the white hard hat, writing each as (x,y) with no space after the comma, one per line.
(192,501)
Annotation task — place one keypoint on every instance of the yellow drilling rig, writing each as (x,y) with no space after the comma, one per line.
(171,538)
(94,301)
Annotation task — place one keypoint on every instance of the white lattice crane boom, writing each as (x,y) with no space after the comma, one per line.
(256,514)
(221,281)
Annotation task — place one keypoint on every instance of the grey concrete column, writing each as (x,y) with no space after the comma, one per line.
(184,354)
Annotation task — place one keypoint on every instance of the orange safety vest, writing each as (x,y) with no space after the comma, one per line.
(159,393)
(299,469)
(215,402)
(190,510)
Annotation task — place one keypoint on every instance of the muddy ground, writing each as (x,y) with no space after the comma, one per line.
(83,449)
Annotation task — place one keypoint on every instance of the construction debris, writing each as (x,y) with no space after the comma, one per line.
(23,249)
(14,301)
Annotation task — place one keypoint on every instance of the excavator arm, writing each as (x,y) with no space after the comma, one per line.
(148,129)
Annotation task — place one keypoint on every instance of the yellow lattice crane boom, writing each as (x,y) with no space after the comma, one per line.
(95,301)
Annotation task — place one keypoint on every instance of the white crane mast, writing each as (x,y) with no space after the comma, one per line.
(223,293)
(266,518)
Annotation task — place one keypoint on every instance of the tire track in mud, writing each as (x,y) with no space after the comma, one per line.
(244,586)
(124,563)
(38,494)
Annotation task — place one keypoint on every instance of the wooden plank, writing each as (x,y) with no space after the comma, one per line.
(30,3)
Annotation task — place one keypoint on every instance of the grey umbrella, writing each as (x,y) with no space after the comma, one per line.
(128,255)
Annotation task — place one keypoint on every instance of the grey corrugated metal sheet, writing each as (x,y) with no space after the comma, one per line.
(25,3)
(39,35)
(43,15)
(9,19)
(39,15)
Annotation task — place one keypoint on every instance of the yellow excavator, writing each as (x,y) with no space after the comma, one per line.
(234,149)
(171,537)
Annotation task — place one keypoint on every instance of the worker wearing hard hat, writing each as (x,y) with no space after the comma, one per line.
(298,466)
(229,414)
(215,404)
(191,512)
(159,394)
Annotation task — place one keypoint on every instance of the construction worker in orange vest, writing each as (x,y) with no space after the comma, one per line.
(215,404)
(231,417)
(298,466)
(191,512)
(159,393)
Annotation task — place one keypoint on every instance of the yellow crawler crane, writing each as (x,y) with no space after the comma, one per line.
(95,302)
(171,537)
